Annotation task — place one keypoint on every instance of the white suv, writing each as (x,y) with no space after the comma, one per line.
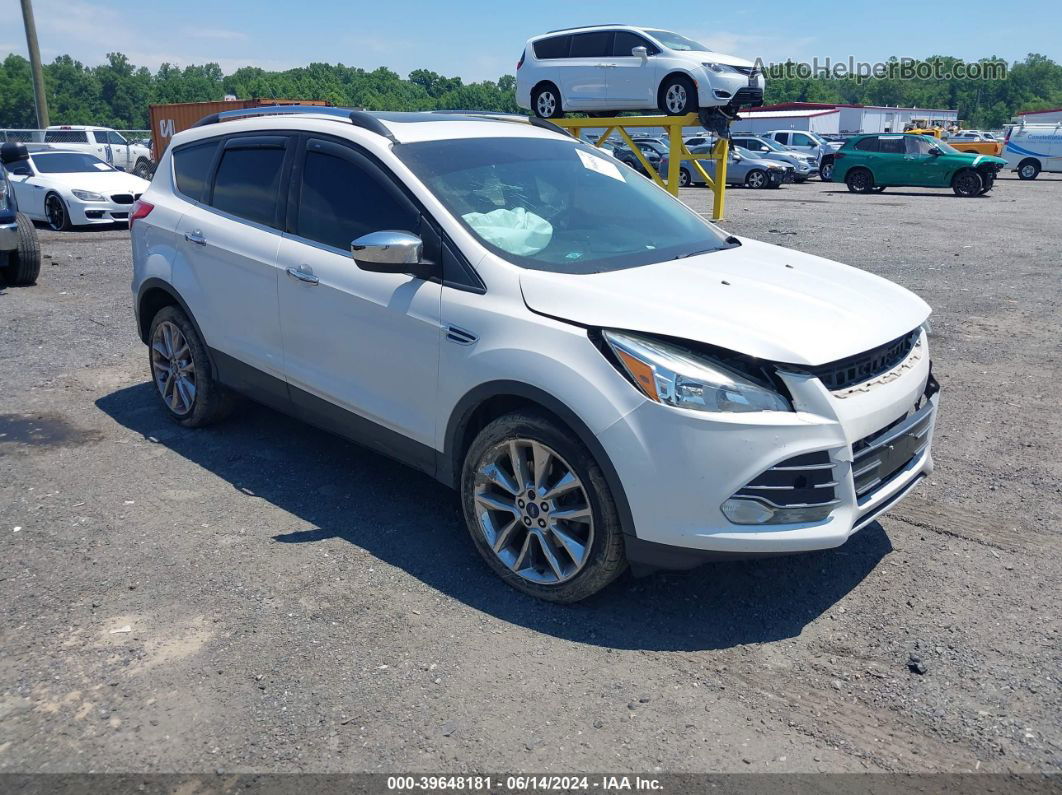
(609,68)
(605,376)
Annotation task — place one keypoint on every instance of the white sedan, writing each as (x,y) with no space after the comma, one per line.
(67,189)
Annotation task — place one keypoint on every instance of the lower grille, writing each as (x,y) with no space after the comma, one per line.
(804,481)
(885,453)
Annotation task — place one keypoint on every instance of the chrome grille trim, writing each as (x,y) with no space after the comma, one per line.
(911,435)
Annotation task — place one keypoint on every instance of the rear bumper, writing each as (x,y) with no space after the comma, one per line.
(8,237)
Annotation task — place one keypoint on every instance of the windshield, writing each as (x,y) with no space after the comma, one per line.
(674,41)
(950,150)
(774,146)
(68,163)
(557,206)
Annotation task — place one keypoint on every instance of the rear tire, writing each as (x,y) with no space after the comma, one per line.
(539,552)
(177,359)
(967,183)
(1029,169)
(24,263)
(826,170)
(546,102)
(859,180)
(685,179)
(678,96)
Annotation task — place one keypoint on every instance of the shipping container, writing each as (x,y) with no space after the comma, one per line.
(167,120)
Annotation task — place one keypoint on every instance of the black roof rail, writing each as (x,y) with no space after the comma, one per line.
(365,120)
(270,110)
(598,25)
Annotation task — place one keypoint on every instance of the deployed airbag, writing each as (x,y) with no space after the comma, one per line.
(514,231)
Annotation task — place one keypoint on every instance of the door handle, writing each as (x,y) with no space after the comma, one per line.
(303,274)
(195,236)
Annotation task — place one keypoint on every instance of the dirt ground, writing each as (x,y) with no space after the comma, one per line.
(260,596)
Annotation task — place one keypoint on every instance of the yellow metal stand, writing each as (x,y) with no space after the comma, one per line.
(677,151)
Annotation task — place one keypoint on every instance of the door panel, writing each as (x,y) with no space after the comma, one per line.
(583,74)
(366,342)
(227,268)
(629,79)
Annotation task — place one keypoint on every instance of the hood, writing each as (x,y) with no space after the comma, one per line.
(709,56)
(105,182)
(744,299)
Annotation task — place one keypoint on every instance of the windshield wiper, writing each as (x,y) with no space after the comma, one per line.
(731,242)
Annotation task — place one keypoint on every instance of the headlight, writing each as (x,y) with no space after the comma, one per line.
(88,196)
(678,377)
(720,67)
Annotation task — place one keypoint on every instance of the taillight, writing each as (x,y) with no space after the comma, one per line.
(141,209)
(521,61)
(838,155)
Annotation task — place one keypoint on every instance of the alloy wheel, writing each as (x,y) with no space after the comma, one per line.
(757,179)
(533,511)
(675,98)
(547,104)
(1028,171)
(684,178)
(173,368)
(56,212)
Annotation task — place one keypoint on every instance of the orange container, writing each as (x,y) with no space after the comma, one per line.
(167,120)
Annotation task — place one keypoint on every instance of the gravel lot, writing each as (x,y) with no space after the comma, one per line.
(260,596)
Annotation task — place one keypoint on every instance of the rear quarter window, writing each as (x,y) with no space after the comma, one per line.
(191,168)
(556,47)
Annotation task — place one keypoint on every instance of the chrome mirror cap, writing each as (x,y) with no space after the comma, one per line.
(388,247)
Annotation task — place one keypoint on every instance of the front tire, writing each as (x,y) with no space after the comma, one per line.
(757,178)
(56,212)
(539,510)
(546,102)
(859,180)
(24,263)
(181,371)
(1029,169)
(967,183)
(678,96)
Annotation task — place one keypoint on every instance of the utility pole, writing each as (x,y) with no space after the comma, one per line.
(40,100)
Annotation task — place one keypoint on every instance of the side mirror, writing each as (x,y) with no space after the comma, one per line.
(391,251)
(934,151)
(640,52)
(12,152)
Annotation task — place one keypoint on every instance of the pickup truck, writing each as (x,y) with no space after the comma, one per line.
(976,142)
(106,144)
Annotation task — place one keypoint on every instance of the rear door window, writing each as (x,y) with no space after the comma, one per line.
(867,145)
(191,168)
(893,145)
(782,138)
(592,45)
(247,183)
(66,137)
(557,47)
(345,196)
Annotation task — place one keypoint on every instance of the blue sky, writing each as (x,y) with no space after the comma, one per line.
(478,40)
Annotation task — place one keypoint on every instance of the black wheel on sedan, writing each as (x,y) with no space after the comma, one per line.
(859,180)
(182,373)
(539,509)
(967,183)
(56,213)
(546,102)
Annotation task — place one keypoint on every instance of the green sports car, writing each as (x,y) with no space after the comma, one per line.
(871,163)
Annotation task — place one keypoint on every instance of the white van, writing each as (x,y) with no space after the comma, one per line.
(1032,148)
(106,144)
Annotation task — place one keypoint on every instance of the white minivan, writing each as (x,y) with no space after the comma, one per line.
(610,68)
(606,377)
(1032,148)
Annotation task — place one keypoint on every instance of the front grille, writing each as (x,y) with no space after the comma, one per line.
(799,482)
(122,198)
(862,367)
(882,455)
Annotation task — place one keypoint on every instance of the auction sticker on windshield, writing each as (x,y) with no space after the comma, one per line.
(599,164)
